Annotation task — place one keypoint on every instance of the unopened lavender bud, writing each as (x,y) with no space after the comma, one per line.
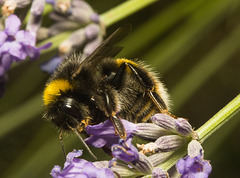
(35,19)
(95,18)
(159,158)
(81,4)
(170,142)
(150,131)
(61,27)
(159,173)
(163,120)
(183,127)
(143,164)
(22,3)
(92,45)
(80,15)
(37,7)
(76,39)
(194,148)
(92,31)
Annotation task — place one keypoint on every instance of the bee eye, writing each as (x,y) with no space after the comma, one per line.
(71,108)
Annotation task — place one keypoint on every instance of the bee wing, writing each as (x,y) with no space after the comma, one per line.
(106,49)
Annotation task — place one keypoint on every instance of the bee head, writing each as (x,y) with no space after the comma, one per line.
(62,108)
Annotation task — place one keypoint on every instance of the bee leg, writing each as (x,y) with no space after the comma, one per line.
(149,84)
(118,125)
(62,144)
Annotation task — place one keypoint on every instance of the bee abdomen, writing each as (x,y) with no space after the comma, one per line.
(140,111)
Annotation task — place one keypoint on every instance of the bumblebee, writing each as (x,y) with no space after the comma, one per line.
(101,87)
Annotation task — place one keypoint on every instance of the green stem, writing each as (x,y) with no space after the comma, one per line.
(207,129)
(219,119)
(125,9)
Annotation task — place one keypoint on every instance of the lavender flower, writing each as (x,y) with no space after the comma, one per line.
(194,165)
(16,45)
(35,19)
(75,167)
(104,134)
(176,125)
(51,65)
(125,151)
(70,15)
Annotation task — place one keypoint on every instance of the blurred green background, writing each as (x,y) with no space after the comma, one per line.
(195,47)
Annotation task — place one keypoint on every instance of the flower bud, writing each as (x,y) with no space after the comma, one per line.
(182,126)
(159,173)
(170,143)
(194,148)
(163,120)
(35,19)
(61,27)
(91,46)
(76,39)
(159,158)
(143,164)
(92,31)
(150,131)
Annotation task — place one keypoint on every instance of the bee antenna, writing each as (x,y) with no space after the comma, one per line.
(84,143)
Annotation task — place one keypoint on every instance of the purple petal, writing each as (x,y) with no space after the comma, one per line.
(105,129)
(73,154)
(75,167)
(56,171)
(14,49)
(6,61)
(194,167)
(125,151)
(181,166)
(45,46)
(25,38)
(32,52)
(3,37)
(12,24)
(97,142)
(51,65)
(104,133)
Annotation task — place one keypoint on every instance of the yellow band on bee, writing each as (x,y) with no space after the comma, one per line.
(122,60)
(54,89)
